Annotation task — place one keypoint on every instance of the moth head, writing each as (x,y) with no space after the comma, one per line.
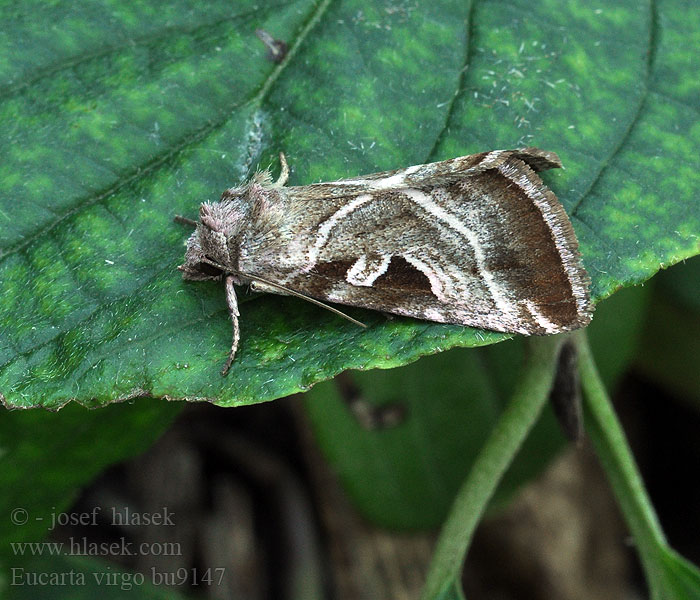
(215,239)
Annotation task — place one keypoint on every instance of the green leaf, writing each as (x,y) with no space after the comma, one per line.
(616,333)
(117,116)
(453,592)
(406,476)
(670,353)
(681,579)
(669,576)
(524,407)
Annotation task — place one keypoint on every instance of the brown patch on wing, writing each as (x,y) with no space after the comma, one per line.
(335,269)
(402,275)
(533,264)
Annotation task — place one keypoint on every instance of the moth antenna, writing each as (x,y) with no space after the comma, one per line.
(292,292)
(283,288)
(284,172)
(185,221)
(232,303)
(208,261)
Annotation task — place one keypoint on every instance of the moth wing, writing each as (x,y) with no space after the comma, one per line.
(493,249)
(432,174)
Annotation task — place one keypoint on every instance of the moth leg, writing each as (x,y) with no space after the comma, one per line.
(184,221)
(284,172)
(233,311)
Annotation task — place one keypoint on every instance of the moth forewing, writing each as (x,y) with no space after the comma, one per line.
(477,240)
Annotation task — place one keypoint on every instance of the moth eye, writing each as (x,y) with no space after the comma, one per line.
(253,286)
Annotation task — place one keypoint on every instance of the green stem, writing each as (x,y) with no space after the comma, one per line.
(525,405)
(612,449)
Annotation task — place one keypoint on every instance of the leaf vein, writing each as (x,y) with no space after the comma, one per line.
(651,57)
(194,137)
(460,81)
(71,62)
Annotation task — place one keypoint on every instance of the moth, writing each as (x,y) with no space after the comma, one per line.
(477,240)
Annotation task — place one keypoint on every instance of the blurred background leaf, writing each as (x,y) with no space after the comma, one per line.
(406,476)
(46,458)
(670,354)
